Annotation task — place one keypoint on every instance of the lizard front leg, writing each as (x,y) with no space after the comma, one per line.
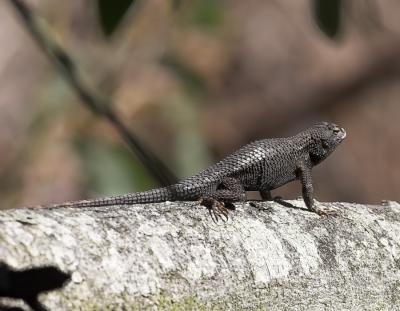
(228,191)
(304,175)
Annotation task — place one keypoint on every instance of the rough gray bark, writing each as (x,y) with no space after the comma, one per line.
(172,256)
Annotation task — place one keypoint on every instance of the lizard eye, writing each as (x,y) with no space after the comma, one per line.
(325,144)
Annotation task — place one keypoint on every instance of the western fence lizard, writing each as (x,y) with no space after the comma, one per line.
(261,166)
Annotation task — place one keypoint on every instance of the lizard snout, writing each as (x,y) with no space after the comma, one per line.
(340,132)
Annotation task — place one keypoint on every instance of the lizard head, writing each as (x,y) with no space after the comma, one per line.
(325,137)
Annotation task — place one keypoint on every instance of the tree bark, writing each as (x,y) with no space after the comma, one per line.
(173,256)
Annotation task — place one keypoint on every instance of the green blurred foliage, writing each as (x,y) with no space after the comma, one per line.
(327,16)
(110,168)
(207,14)
(190,149)
(193,83)
(111,14)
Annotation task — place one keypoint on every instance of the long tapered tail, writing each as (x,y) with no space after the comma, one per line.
(150,196)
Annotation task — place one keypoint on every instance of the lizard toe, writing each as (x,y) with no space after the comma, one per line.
(219,211)
(216,209)
(326,212)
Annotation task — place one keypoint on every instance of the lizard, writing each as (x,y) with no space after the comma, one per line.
(262,165)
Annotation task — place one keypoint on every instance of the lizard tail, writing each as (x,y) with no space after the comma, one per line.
(149,196)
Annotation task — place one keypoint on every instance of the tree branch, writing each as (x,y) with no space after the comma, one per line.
(171,255)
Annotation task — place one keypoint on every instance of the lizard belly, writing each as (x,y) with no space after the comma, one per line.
(276,176)
(282,178)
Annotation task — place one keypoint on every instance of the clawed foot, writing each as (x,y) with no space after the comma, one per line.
(216,208)
(254,204)
(326,212)
(259,206)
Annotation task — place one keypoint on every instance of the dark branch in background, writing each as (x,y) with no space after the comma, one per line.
(28,284)
(98,104)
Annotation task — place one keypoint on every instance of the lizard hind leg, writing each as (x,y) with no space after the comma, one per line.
(219,201)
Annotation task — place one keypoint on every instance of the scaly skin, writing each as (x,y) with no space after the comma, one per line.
(261,166)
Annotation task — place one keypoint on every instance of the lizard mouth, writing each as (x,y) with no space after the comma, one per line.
(340,132)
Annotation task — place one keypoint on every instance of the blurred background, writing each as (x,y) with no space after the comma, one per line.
(195,80)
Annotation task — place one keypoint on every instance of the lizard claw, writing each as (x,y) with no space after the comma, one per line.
(326,212)
(216,208)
